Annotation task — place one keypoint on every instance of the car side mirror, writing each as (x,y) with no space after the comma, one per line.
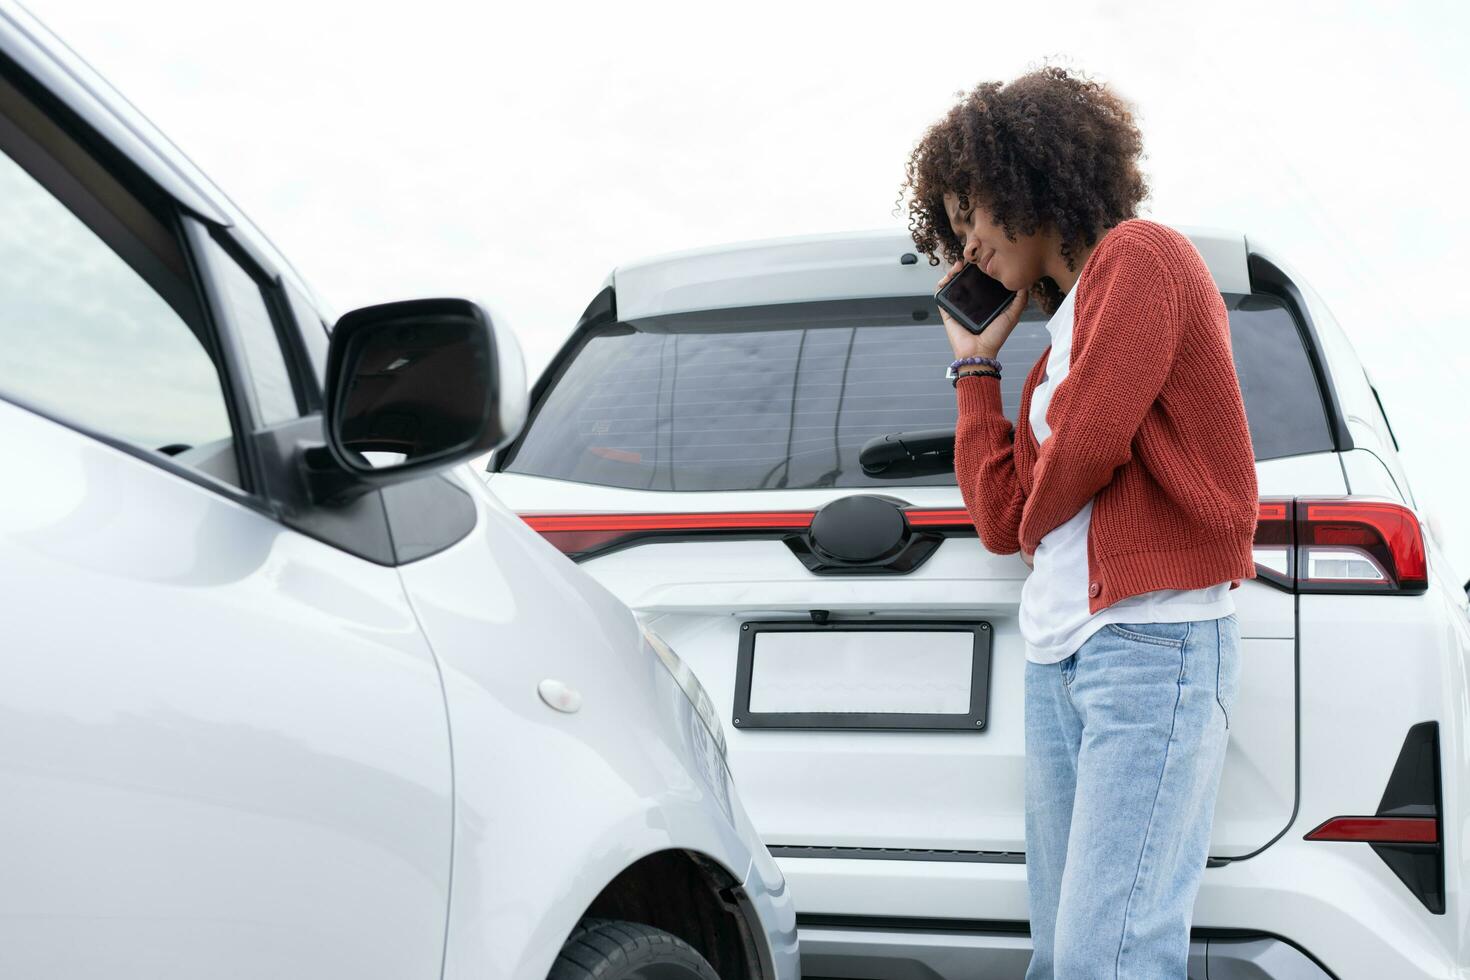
(414,387)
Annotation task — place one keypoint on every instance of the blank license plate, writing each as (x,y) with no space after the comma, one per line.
(862,675)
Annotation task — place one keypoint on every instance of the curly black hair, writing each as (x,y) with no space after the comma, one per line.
(1051,149)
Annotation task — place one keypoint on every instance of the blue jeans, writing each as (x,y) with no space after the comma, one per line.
(1125,741)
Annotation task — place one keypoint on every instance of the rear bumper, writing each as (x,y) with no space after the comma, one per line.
(915,954)
(1296,905)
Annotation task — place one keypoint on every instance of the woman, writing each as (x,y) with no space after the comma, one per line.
(1128,483)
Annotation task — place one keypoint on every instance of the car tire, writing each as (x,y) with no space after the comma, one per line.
(609,949)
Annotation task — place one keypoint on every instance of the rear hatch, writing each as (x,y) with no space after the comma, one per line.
(682,454)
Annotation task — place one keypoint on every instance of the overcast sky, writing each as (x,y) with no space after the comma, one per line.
(519,152)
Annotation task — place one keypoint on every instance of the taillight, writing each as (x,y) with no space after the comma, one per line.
(1275,545)
(1340,545)
(1305,545)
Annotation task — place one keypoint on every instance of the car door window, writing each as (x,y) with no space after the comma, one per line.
(110,344)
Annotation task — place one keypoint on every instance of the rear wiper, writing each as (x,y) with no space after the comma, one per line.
(897,455)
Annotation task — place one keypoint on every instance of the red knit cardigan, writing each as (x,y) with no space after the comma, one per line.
(1148,423)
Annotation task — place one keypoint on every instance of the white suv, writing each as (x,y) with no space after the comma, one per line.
(752,446)
(284,690)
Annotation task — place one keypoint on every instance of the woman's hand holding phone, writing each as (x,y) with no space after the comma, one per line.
(987,344)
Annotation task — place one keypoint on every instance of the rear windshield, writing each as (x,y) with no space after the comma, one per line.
(785,396)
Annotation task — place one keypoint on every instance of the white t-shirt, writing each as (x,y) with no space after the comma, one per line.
(1055,617)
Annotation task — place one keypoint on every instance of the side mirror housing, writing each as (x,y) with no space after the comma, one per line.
(414,387)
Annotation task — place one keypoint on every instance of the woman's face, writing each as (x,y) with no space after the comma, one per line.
(1018,264)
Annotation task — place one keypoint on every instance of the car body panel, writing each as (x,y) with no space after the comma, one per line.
(632,772)
(222,744)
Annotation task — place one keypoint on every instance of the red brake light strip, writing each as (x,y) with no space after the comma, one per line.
(1379,830)
(1387,530)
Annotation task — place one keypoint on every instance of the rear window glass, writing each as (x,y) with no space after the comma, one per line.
(785,396)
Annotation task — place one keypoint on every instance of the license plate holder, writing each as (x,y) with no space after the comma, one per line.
(777,682)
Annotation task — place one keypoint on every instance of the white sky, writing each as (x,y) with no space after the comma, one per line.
(519,153)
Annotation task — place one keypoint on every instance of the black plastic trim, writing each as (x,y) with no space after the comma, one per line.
(893,923)
(1266,277)
(972,721)
(426,516)
(392,525)
(1415,788)
(358,527)
(919,547)
(916,854)
(904,923)
(896,854)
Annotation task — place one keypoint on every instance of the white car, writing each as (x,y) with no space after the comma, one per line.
(284,690)
(752,446)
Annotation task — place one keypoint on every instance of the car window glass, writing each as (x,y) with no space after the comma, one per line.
(785,397)
(1283,404)
(275,399)
(87,339)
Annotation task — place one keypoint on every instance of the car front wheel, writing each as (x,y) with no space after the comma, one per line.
(608,949)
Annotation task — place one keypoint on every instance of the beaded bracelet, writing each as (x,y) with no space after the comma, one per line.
(987,361)
(984,372)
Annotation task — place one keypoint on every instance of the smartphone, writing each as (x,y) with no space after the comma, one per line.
(973,298)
